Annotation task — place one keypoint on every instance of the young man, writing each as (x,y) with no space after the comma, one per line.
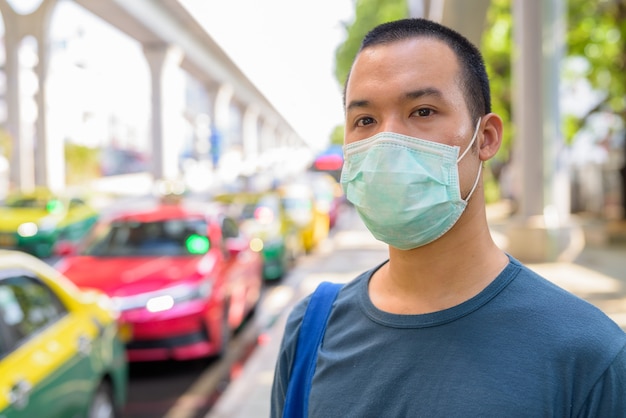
(450,325)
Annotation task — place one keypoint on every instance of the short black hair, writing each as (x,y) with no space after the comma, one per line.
(474,80)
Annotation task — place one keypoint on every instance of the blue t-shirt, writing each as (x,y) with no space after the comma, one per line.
(523,347)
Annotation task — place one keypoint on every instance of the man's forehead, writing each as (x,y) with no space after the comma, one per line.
(416,51)
(419,66)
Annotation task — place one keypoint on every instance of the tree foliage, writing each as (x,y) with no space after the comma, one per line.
(496,50)
(368,14)
(597,32)
(81,163)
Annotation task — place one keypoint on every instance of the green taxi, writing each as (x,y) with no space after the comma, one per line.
(263,218)
(35,221)
(61,354)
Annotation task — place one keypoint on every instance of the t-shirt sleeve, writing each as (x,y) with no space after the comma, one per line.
(285,358)
(608,396)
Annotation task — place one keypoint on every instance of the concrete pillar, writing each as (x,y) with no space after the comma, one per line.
(466,17)
(541,230)
(20,176)
(34,160)
(167,109)
(251,133)
(49,153)
(268,135)
(203,121)
(223,100)
(528,91)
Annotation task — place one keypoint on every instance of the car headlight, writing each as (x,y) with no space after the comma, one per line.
(160,303)
(27,229)
(165,299)
(30,229)
(256,244)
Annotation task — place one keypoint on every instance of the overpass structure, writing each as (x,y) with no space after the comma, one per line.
(170,39)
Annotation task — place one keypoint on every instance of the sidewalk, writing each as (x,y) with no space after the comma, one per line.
(597,274)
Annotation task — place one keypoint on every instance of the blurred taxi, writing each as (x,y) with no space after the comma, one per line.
(35,221)
(60,352)
(328,194)
(183,278)
(302,209)
(262,217)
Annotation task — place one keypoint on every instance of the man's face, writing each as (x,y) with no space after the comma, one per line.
(409,87)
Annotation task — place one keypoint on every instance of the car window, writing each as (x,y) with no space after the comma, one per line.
(248,211)
(230,229)
(76,203)
(297,203)
(173,237)
(27,202)
(27,306)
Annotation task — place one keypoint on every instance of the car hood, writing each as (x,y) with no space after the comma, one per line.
(123,276)
(10,218)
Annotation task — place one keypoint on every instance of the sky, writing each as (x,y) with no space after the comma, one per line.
(287,49)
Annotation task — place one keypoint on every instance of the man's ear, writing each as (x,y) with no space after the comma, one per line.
(491,138)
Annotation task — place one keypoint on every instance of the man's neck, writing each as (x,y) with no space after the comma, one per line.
(437,276)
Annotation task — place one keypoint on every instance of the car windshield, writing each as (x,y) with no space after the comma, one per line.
(264,211)
(51,205)
(172,237)
(295,203)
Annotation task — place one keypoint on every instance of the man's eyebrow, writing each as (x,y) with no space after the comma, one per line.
(357,103)
(428,91)
(415,94)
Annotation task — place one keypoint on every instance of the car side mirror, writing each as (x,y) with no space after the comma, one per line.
(65,248)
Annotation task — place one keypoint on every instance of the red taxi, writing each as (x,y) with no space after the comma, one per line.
(184,279)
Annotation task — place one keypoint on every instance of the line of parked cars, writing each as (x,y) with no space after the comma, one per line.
(183,278)
(168,279)
(289,220)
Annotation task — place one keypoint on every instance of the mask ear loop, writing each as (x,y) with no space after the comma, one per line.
(480,169)
(471,142)
(480,166)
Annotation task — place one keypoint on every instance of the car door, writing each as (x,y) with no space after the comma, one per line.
(78,221)
(44,363)
(244,272)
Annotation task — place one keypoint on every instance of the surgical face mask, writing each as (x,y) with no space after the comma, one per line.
(406,190)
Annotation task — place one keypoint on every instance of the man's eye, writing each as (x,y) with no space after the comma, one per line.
(364,121)
(424,112)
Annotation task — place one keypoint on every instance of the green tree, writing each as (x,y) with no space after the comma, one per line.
(496,50)
(6,144)
(597,32)
(81,163)
(336,137)
(368,13)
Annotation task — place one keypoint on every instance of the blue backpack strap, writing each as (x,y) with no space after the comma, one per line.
(309,340)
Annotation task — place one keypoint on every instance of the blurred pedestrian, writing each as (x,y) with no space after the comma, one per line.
(450,325)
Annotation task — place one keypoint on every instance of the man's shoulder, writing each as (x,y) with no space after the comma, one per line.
(351,288)
(562,312)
